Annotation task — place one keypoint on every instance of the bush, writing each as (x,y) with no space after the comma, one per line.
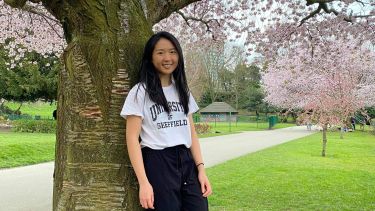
(2,119)
(31,126)
(202,128)
(5,110)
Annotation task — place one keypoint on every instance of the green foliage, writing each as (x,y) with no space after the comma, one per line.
(220,96)
(240,88)
(371,112)
(5,110)
(34,126)
(35,77)
(293,176)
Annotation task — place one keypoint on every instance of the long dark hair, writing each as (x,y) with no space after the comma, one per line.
(149,77)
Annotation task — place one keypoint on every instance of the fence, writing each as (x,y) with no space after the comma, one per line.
(29,117)
(238,118)
(241,122)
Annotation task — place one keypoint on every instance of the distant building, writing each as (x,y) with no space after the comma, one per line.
(219,112)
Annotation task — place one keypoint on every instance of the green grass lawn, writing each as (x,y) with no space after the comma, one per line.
(291,176)
(42,109)
(19,149)
(294,176)
(223,128)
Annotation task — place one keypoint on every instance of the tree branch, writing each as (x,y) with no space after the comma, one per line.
(311,2)
(205,22)
(312,14)
(361,2)
(324,6)
(35,11)
(53,28)
(160,9)
(16,3)
(21,4)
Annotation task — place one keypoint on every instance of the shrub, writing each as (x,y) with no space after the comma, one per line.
(5,110)
(31,126)
(202,128)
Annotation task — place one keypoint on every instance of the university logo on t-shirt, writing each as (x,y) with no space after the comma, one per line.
(156,110)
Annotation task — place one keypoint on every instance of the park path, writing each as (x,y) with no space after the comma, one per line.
(29,188)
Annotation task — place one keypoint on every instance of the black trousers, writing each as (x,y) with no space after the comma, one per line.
(174,179)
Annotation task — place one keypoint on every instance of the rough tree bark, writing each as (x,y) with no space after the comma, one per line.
(105,42)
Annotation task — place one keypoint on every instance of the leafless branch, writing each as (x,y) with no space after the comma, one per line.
(205,22)
(53,28)
(15,3)
(311,38)
(35,11)
(312,14)
(311,2)
(324,6)
(361,2)
(160,9)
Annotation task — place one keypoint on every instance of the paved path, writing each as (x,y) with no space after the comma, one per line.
(30,188)
(219,149)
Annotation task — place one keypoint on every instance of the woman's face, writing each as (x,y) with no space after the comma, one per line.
(165,57)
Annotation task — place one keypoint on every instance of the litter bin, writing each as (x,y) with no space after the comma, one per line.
(272,120)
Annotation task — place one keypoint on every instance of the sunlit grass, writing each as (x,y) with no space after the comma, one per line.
(294,176)
(224,128)
(39,108)
(19,149)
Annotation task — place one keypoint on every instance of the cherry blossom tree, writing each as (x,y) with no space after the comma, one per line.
(104,43)
(329,85)
(267,26)
(101,43)
(27,30)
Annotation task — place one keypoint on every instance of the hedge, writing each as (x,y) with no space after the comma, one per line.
(34,126)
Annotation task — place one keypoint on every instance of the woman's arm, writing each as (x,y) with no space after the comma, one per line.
(198,159)
(133,129)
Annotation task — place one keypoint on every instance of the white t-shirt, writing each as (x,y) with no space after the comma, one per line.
(160,129)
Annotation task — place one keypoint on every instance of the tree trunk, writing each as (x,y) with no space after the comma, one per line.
(236,94)
(92,168)
(324,140)
(342,132)
(17,111)
(105,43)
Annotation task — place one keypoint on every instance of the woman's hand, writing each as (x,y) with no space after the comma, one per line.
(146,196)
(205,183)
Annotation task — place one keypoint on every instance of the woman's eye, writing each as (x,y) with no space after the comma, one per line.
(173,52)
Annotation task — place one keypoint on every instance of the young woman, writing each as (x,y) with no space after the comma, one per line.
(167,160)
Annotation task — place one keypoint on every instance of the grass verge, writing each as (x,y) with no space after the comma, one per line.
(42,109)
(223,128)
(294,176)
(19,149)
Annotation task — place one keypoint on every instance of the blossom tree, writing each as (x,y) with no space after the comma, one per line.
(329,85)
(104,43)
(101,43)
